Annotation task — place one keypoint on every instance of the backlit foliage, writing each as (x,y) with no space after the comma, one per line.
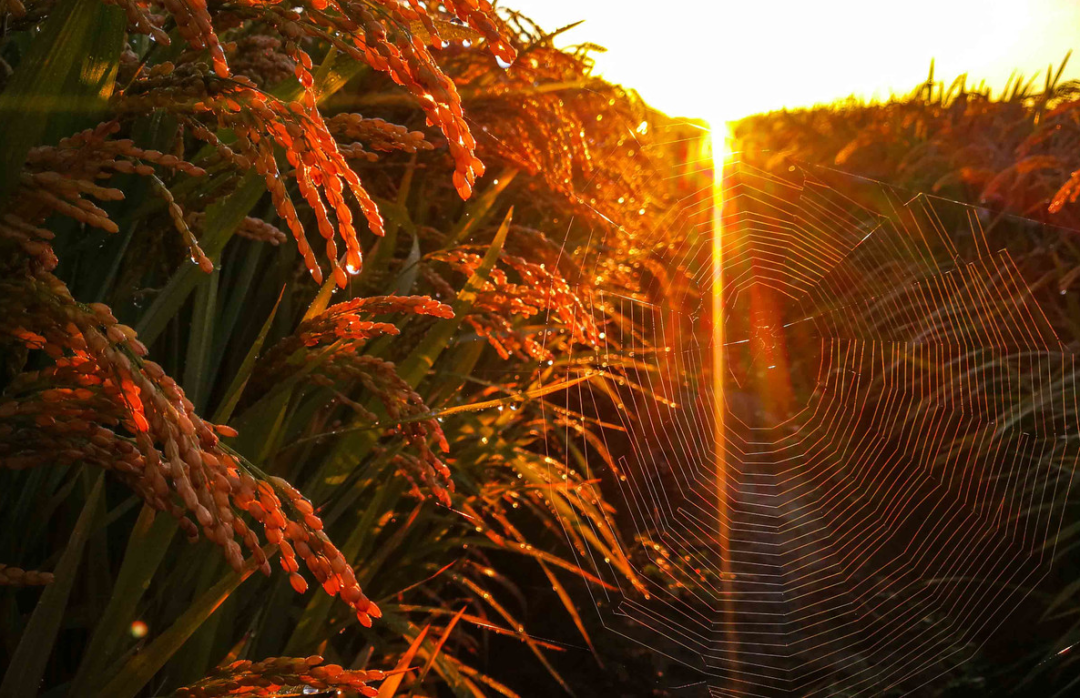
(1018,151)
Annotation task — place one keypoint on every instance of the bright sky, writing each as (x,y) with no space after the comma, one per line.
(721,60)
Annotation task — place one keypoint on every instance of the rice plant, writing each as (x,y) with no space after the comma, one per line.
(194,391)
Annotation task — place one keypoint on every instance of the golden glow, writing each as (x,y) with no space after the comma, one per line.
(720,155)
(720,143)
(700,58)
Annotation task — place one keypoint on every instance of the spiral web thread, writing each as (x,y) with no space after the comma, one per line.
(899,436)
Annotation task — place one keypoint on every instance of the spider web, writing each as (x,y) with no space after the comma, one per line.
(878,477)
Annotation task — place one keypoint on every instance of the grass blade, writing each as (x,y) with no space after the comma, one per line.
(222,220)
(28,663)
(236,388)
(146,549)
(138,671)
(416,365)
(63,83)
(412,370)
(438,648)
(200,340)
(390,686)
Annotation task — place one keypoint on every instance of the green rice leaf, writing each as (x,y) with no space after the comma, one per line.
(27,667)
(62,85)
